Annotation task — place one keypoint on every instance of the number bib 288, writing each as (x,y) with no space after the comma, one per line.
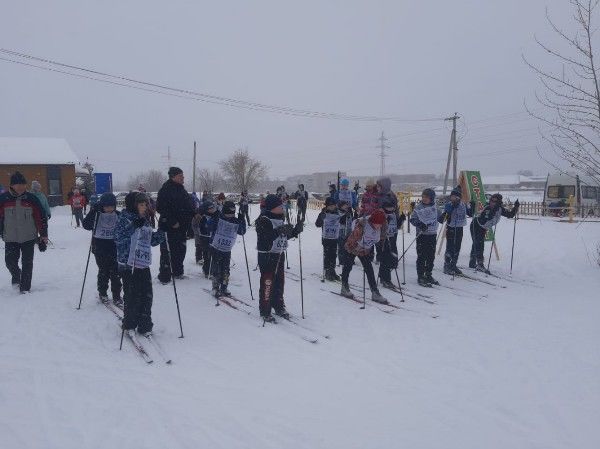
(105,228)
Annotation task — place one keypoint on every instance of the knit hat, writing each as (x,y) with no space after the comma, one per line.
(377,217)
(271,202)
(36,186)
(497,197)
(456,191)
(388,203)
(329,201)
(140,198)
(17,178)
(429,193)
(228,207)
(108,199)
(130,202)
(174,171)
(345,182)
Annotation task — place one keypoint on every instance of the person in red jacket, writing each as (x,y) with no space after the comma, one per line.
(77,202)
(370,199)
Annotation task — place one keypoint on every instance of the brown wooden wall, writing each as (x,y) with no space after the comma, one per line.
(39,173)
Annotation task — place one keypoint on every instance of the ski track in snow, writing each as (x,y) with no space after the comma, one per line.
(514,367)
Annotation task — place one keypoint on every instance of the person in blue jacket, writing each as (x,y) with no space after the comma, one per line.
(345,194)
(425,220)
(455,214)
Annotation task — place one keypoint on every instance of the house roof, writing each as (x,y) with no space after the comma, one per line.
(35,150)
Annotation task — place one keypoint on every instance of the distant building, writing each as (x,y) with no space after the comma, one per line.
(50,161)
(513,182)
(315,182)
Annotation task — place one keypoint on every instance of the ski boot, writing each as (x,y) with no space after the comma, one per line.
(216,292)
(283,313)
(449,270)
(376,296)
(423,282)
(431,280)
(103,297)
(117,301)
(268,319)
(481,268)
(225,291)
(457,271)
(472,262)
(331,275)
(346,291)
(388,285)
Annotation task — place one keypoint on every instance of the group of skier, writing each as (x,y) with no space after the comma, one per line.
(121,241)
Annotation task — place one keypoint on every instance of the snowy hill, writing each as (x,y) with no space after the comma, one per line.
(510,365)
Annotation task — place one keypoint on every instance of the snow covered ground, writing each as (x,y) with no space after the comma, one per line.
(516,366)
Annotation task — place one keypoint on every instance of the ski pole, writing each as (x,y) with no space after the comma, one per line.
(301,283)
(491,247)
(247,267)
(364,292)
(323,273)
(87,264)
(403,264)
(512,253)
(174,286)
(122,335)
(399,287)
(287,264)
(408,247)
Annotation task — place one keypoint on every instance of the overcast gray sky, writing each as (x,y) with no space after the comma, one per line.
(412,59)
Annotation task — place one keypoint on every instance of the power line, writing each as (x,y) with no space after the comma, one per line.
(124,81)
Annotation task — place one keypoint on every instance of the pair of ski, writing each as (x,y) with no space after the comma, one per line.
(133,338)
(307,334)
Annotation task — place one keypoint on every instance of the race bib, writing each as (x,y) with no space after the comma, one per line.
(105,227)
(280,244)
(225,236)
(76,202)
(140,251)
(331,226)
(370,235)
(345,195)
(392,224)
(428,215)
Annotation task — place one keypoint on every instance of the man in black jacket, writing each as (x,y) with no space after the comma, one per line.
(176,211)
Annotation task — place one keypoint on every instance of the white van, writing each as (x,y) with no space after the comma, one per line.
(585,191)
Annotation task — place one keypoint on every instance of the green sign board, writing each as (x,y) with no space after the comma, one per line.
(470,182)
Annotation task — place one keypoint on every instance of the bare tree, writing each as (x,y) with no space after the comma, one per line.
(242,172)
(571,99)
(152,180)
(209,180)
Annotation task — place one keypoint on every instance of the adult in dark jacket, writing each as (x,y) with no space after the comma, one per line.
(301,196)
(176,211)
(22,220)
(482,223)
(102,221)
(244,206)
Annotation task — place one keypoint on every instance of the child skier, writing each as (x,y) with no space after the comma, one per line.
(388,247)
(102,220)
(224,229)
(77,202)
(347,195)
(209,214)
(301,196)
(455,214)
(482,223)
(198,242)
(425,220)
(346,218)
(329,222)
(369,201)
(134,238)
(367,232)
(272,240)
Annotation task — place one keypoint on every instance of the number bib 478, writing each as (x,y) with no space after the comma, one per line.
(105,228)
(225,236)
(331,226)
(140,252)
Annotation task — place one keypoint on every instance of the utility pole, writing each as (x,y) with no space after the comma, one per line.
(168,157)
(452,154)
(382,147)
(194,170)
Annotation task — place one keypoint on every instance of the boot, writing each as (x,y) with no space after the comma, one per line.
(481,268)
(283,313)
(268,318)
(457,271)
(448,270)
(225,291)
(423,282)
(331,275)
(388,284)
(117,301)
(472,262)
(346,290)
(103,297)
(431,280)
(376,296)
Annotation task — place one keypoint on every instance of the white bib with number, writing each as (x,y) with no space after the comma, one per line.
(345,195)
(225,236)
(370,235)
(280,244)
(105,227)
(428,215)
(392,225)
(331,226)
(140,251)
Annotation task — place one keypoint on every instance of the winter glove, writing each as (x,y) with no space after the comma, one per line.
(138,222)
(422,227)
(42,245)
(240,216)
(299,227)
(285,229)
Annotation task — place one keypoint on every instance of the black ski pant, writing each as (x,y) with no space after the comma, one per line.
(478,237)
(272,282)
(12,253)
(425,254)
(330,247)
(108,270)
(366,262)
(245,212)
(206,255)
(78,212)
(301,213)
(138,299)
(220,261)
(453,243)
(389,257)
(199,252)
(178,247)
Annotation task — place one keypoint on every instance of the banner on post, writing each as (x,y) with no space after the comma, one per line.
(473,191)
